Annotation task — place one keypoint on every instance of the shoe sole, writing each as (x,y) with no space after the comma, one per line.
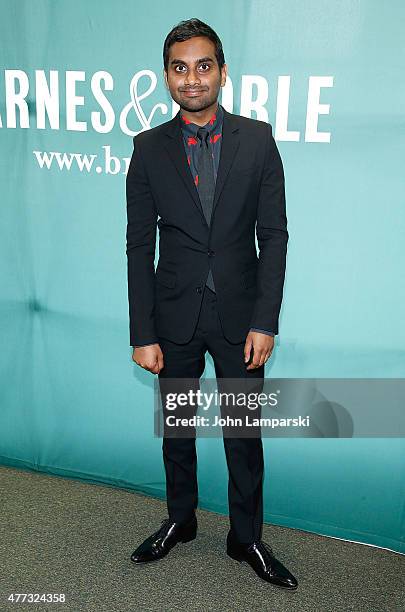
(278,586)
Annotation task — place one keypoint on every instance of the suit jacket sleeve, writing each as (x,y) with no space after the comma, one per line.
(140,250)
(272,238)
(263,331)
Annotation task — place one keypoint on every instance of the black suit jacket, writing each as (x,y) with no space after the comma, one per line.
(249,196)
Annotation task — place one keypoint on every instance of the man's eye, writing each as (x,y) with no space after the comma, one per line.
(179,66)
(205,65)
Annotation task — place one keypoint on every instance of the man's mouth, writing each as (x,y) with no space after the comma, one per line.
(192,92)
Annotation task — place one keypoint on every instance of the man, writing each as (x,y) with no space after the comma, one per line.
(210,176)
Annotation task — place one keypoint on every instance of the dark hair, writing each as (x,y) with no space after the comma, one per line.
(189,29)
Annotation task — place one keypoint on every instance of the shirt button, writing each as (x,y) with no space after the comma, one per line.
(210,253)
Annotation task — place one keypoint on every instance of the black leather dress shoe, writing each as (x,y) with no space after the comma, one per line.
(260,557)
(162,541)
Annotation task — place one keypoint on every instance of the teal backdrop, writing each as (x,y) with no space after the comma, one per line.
(79,79)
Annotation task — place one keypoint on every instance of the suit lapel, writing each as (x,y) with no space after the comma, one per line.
(229,145)
(175,148)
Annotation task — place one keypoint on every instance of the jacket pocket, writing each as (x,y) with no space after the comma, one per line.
(166,277)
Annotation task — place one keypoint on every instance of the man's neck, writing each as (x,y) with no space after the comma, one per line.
(200,117)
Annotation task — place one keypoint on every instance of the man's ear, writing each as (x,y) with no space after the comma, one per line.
(224,71)
(165,78)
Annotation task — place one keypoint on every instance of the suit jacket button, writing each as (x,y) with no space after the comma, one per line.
(199,290)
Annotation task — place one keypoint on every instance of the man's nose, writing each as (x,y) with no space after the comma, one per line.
(192,78)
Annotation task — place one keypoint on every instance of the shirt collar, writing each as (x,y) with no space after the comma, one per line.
(214,123)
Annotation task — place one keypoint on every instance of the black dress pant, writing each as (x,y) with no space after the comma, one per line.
(244,455)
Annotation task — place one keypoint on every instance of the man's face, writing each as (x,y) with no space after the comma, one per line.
(193,76)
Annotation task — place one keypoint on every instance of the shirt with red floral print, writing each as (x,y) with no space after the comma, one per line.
(191,142)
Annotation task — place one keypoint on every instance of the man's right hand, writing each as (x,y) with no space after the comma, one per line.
(149,357)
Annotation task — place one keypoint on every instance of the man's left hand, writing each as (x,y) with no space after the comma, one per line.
(262,345)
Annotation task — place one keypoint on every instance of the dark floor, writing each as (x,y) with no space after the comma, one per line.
(66,536)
